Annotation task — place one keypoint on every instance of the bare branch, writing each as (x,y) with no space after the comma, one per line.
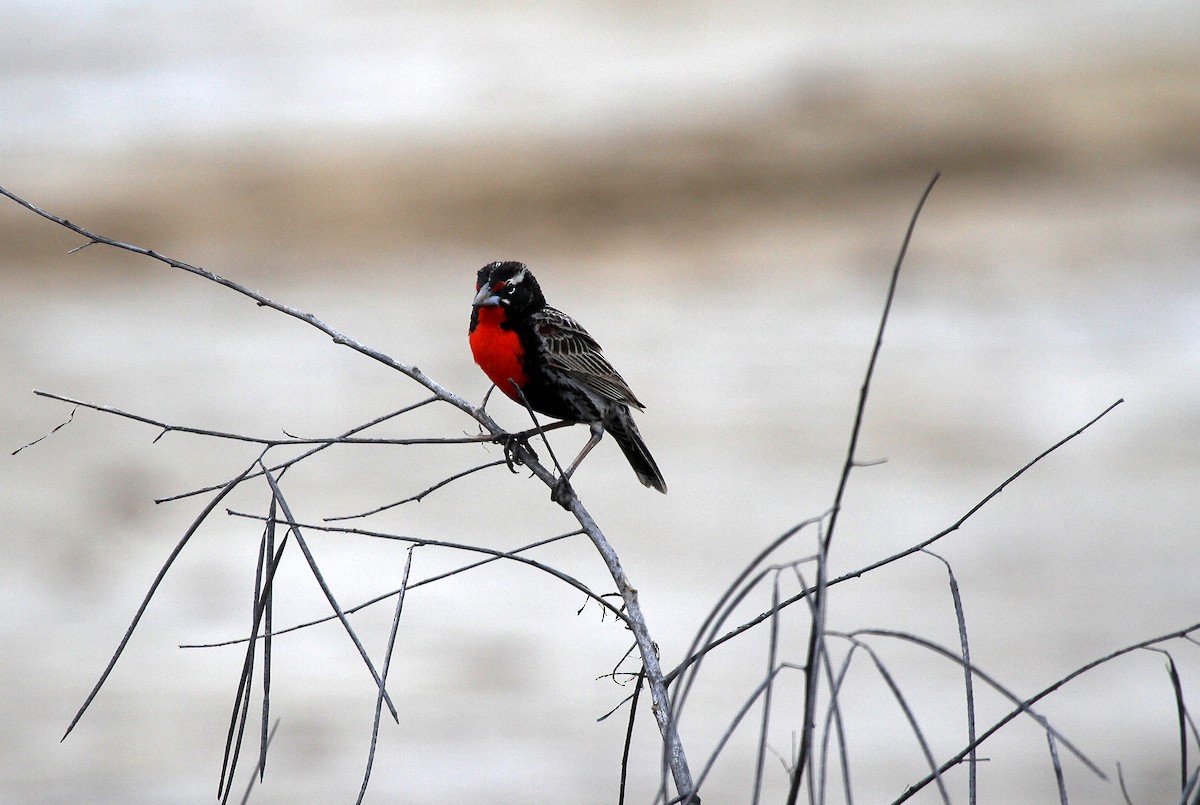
(692,657)
(968,681)
(339,338)
(387,664)
(212,504)
(811,679)
(294,529)
(494,556)
(53,431)
(417,498)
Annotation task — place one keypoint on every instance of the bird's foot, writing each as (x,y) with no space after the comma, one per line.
(562,493)
(511,442)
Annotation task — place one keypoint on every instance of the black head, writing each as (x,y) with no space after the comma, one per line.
(508,284)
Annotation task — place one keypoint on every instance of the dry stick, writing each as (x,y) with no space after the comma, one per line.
(1058,770)
(53,431)
(297,459)
(413,372)
(417,498)
(495,557)
(241,699)
(661,701)
(387,664)
(1024,706)
(294,529)
(725,605)
(268,564)
(261,762)
(760,761)
(758,692)
(637,692)
(268,625)
(1182,714)
(661,706)
(812,663)
(911,717)
(264,440)
(1124,790)
(833,716)
(212,504)
(437,543)
(1189,786)
(968,682)
(695,656)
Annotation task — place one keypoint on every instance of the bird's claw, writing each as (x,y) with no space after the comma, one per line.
(562,493)
(510,442)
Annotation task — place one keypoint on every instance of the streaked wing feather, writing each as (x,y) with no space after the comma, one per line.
(572,349)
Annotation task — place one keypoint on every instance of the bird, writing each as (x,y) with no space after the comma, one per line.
(540,356)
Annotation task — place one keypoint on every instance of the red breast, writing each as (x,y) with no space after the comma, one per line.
(498,351)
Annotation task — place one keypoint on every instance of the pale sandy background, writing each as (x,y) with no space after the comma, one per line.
(717,191)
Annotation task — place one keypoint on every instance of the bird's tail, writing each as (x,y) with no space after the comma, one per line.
(625,432)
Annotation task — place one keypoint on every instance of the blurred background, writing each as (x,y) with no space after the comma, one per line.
(717,191)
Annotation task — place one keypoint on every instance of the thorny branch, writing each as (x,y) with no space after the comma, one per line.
(661,704)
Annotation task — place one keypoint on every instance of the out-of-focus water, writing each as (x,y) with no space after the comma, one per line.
(113,73)
(1056,269)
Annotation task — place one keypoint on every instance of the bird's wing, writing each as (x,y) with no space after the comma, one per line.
(571,349)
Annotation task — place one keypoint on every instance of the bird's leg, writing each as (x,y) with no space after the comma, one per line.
(511,441)
(561,492)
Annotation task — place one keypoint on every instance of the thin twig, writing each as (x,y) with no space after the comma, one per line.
(955,526)
(1058,769)
(758,692)
(637,692)
(968,680)
(294,529)
(1024,706)
(495,556)
(729,600)
(812,660)
(387,664)
(162,572)
(438,543)
(264,582)
(760,760)
(54,430)
(278,468)
(413,372)
(911,717)
(417,498)
(265,441)
(521,452)
(268,625)
(261,762)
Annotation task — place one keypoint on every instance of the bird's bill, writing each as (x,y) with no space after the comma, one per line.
(485,297)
